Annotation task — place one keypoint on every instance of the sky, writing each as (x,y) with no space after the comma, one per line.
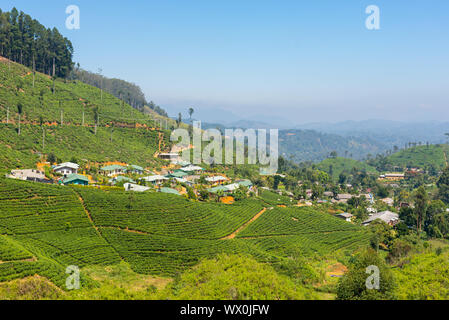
(289,61)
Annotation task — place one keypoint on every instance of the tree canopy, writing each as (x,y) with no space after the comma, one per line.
(26,41)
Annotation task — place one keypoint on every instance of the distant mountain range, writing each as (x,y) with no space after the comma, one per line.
(354,139)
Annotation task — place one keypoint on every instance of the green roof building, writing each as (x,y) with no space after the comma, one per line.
(135,169)
(123,179)
(169,190)
(177,174)
(76,179)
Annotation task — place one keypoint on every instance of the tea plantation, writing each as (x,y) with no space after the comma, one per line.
(46,228)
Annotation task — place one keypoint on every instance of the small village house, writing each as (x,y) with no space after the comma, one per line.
(343,197)
(122,179)
(27,173)
(392,176)
(75,179)
(113,170)
(216,179)
(345,216)
(388,217)
(388,201)
(169,156)
(66,168)
(135,169)
(155,179)
(191,169)
(135,187)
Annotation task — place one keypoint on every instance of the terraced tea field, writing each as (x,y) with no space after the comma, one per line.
(45,228)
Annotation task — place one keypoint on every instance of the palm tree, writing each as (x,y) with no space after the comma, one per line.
(191,111)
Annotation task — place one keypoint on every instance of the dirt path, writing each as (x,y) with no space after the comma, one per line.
(128,230)
(232,235)
(87,211)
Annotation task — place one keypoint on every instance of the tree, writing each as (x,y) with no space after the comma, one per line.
(357,202)
(443,186)
(179,120)
(191,111)
(354,285)
(421,202)
(436,221)
(26,41)
(51,158)
(317,191)
(96,117)
(19,111)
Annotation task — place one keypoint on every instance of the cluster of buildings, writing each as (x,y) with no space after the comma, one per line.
(67,173)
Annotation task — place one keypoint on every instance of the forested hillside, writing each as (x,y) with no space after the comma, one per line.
(26,41)
(336,166)
(129,92)
(309,145)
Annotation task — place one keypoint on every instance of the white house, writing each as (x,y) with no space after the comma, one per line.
(192,168)
(389,217)
(66,168)
(346,216)
(216,179)
(134,187)
(113,170)
(27,174)
(156,179)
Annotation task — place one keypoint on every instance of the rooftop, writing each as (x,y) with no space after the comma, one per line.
(74,177)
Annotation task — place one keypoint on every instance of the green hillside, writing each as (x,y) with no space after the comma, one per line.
(46,228)
(122,133)
(336,166)
(421,157)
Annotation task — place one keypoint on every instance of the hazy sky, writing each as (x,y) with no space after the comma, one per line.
(304,61)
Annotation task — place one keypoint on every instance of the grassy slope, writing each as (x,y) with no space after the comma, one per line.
(421,156)
(424,277)
(70,139)
(72,97)
(50,224)
(340,165)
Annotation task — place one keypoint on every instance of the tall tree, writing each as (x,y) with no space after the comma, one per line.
(443,186)
(421,203)
(19,111)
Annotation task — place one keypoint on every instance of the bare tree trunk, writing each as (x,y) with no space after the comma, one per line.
(19,124)
(7,115)
(34,69)
(54,72)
